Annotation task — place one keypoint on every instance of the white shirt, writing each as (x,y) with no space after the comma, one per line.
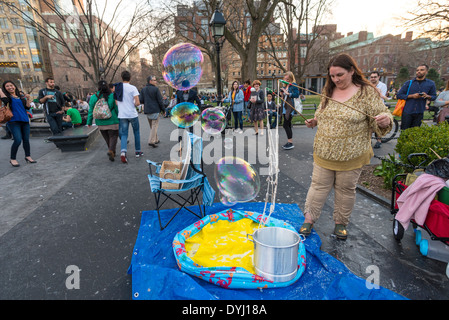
(383,88)
(126,107)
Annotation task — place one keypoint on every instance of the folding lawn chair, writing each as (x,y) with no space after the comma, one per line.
(186,190)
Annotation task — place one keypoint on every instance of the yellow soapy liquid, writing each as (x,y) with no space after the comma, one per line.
(223,244)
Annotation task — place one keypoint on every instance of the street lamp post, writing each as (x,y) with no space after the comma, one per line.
(217,24)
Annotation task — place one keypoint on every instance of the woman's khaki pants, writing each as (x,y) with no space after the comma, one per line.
(344,184)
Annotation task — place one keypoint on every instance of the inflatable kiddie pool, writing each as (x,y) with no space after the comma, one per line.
(217,249)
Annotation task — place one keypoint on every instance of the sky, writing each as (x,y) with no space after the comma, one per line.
(378,16)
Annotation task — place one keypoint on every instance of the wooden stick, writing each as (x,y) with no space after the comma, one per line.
(435,153)
(290,105)
(322,95)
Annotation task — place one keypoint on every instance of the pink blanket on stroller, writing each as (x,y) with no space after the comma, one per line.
(414,202)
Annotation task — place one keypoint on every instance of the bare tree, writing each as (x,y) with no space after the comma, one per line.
(85,33)
(432,17)
(306,38)
(247,21)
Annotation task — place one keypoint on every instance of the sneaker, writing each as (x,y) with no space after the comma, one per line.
(139,154)
(288,146)
(123,157)
(377,145)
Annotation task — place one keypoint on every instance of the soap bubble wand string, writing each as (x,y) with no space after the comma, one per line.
(273,168)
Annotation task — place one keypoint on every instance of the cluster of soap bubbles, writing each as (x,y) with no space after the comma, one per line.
(236,179)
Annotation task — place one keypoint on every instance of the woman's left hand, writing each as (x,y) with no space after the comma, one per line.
(382,120)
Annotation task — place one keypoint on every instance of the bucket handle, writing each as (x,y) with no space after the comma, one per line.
(247,235)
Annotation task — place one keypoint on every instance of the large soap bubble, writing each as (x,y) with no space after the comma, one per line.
(236,180)
(181,67)
(185,114)
(213,120)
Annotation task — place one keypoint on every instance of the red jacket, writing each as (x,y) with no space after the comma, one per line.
(247,93)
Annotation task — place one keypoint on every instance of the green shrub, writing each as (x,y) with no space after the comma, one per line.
(422,139)
(388,170)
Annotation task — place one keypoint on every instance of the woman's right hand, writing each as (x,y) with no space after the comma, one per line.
(311,123)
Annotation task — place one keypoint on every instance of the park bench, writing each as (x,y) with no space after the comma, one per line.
(75,139)
(37,129)
(309,106)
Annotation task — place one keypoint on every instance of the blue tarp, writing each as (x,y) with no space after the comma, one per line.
(156,276)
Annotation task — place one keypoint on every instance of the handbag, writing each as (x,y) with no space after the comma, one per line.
(401,103)
(5,114)
(444,112)
(298,104)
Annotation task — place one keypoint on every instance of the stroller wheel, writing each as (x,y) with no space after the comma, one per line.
(398,230)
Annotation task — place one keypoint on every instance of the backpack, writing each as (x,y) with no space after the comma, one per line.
(101,110)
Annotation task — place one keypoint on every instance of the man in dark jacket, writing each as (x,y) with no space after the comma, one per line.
(416,92)
(53,101)
(153,105)
(188,96)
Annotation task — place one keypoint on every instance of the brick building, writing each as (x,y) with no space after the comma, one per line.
(24,56)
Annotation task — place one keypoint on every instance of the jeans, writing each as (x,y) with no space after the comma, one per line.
(20,132)
(410,120)
(246,110)
(272,114)
(238,119)
(123,132)
(55,122)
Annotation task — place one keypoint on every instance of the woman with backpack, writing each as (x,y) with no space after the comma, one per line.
(107,122)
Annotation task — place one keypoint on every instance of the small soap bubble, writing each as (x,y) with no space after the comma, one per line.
(228,143)
(185,114)
(213,120)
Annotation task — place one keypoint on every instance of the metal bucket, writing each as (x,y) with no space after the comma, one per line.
(276,253)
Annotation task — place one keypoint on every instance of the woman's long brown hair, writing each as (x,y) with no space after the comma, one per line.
(346,62)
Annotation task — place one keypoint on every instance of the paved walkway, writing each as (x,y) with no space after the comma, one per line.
(80,209)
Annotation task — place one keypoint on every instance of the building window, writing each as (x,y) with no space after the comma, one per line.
(4,23)
(26,66)
(11,53)
(7,37)
(22,52)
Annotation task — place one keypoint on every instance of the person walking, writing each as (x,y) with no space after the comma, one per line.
(127,99)
(236,98)
(416,92)
(19,125)
(289,92)
(382,88)
(342,144)
(53,101)
(109,128)
(257,108)
(153,105)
